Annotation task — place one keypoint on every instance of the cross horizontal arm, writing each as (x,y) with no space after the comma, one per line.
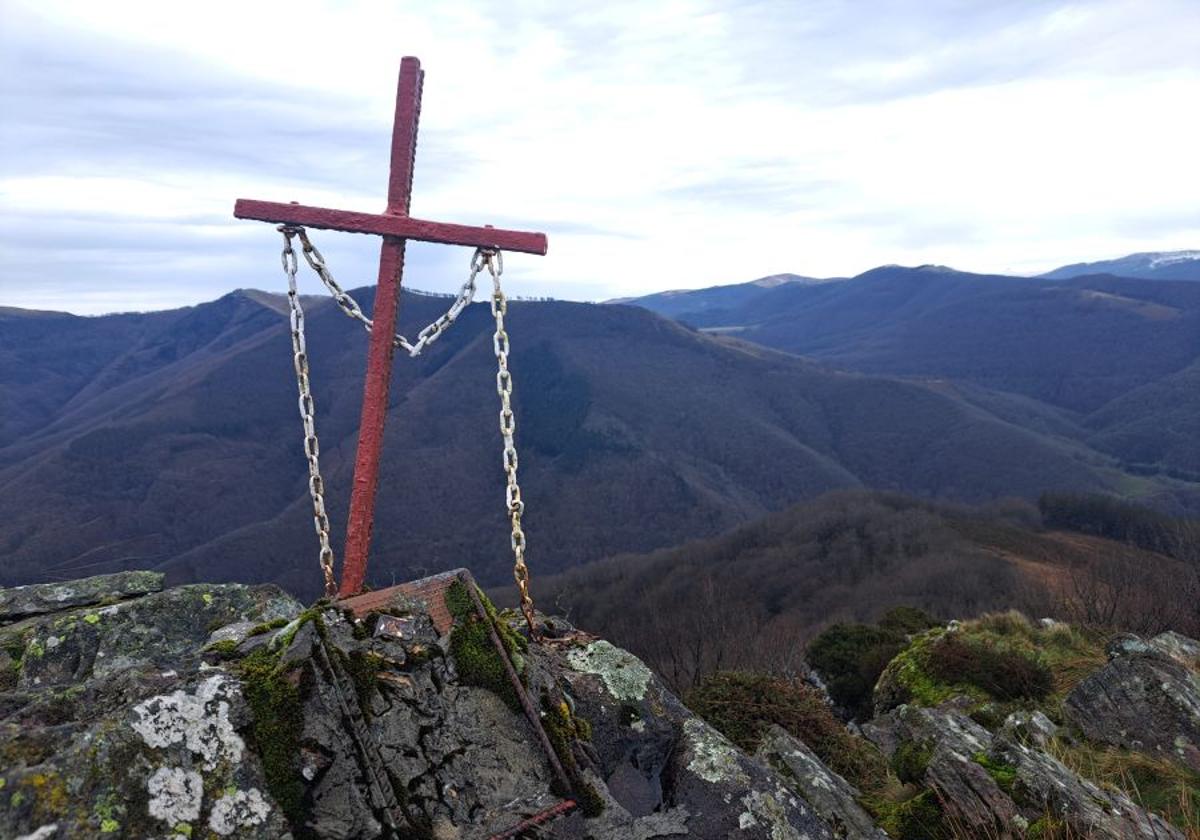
(402,227)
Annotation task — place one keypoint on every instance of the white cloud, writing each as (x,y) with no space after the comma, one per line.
(660,145)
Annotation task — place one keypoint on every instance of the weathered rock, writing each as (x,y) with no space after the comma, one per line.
(1144,699)
(1030,728)
(41,598)
(833,798)
(648,748)
(229,711)
(998,786)
(1043,785)
(1183,650)
(952,746)
(118,727)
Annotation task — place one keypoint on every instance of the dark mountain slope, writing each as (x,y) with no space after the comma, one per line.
(1156,424)
(635,433)
(1075,344)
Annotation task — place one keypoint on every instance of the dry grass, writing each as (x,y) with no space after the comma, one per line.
(1156,785)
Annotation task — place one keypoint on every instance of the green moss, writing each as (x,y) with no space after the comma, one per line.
(225,647)
(92,618)
(910,761)
(109,826)
(1002,662)
(35,649)
(1048,828)
(267,627)
(475,656)
(562,728)
(458,600)
(364,668)
(183,829)
(312,615)
(278,722)
(918,818)
(1004,774)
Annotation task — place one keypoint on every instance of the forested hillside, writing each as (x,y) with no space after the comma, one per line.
(1109,361)
(750,598)
(171,440)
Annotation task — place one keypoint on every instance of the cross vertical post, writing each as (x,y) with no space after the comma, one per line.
(379,356)
(396,227)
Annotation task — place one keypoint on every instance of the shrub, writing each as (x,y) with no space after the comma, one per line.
(1004,674)
(742,706)
(850,657)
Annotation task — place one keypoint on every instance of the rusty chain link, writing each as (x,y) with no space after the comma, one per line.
(312,447)
(494,263)
(483,258)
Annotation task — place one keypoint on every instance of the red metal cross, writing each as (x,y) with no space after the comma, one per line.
(395,226)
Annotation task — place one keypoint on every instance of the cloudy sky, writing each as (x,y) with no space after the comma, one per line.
(659,144)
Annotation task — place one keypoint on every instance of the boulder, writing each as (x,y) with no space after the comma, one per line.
(1145,699)
(41,598)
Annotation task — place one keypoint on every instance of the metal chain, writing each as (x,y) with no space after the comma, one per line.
(508,426)
(483,258)
(350,306)
(312,448)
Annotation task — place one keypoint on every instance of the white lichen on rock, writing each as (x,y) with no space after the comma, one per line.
(241,809)
(769,810)
(624,675)
(175,794)
(199,721)
(714,759)
(45,832)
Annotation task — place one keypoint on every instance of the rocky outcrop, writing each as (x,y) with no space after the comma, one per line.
(1000,786)
(1147,698)
(833,798)
(113,725)
(230,711)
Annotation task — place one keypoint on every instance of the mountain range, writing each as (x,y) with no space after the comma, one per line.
(1107,361)
(171,439)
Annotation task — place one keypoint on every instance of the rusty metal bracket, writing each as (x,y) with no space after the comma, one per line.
(541,818)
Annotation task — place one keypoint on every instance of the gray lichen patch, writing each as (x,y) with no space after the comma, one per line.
(175,795)
(714,759)
(237,810)
(200,721)
(624,675)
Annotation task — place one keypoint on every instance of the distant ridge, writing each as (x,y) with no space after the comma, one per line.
(1151,265)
